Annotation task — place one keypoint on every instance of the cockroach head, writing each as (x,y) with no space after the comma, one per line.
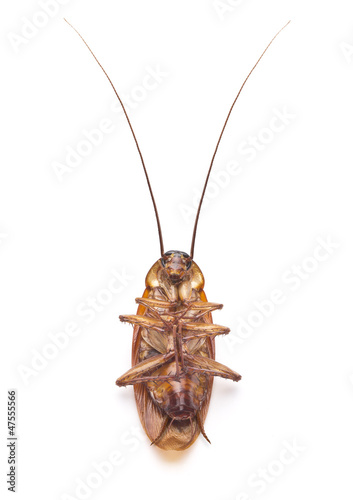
(176,264)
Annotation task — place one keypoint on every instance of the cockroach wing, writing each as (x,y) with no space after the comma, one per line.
(183,434)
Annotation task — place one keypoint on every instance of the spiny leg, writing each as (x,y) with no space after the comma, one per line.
(180,345)
(153,303)
(166,424)
(146,379)
(183,313)
(193,434)
(200,424)
(215,373)
(211,367)
(203,330)
(144,321)
(148,303)
(144,368)
(176,351)
(205,308)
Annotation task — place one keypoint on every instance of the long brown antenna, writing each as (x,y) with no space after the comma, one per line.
(134,136)
(219,140)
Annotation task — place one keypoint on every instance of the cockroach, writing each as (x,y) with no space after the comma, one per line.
(173,347)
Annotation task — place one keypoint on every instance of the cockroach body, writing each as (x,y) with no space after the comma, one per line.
(173,348)
(173,353)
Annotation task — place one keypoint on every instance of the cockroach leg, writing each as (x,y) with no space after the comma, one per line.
(209,310)
(199,329)
(144,321)
(214,373)
(144,367)
(152,309)
(175,345)
(180,345)
(200,336)
(153,303)
(211,335)
(167,423)
(185,312)
(195,430)
(199,422)
(146,379)
(205,306)
(210,367)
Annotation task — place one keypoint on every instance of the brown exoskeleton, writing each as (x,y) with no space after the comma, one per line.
(173,352)
(173,348)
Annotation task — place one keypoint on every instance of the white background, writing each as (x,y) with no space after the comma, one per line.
(60,241)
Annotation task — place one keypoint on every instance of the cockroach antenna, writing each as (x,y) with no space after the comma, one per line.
(219,140)
(134,136)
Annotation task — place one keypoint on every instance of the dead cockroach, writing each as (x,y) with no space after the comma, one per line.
(173,347)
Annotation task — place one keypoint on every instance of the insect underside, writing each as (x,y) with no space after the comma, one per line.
(173,349)
(173,356)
